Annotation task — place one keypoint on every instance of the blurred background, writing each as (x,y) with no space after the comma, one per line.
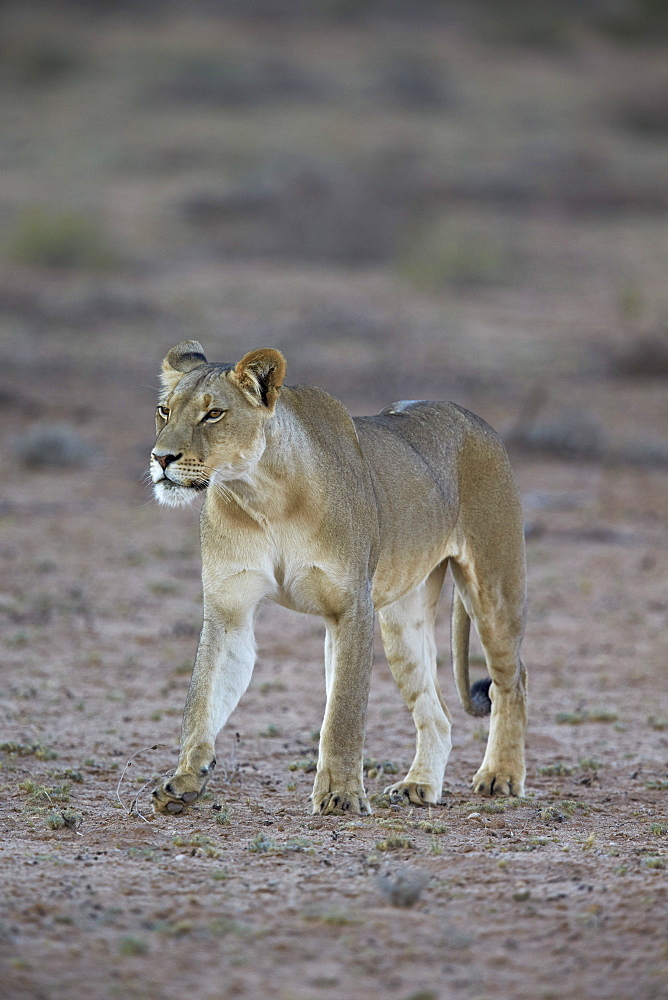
(409,199)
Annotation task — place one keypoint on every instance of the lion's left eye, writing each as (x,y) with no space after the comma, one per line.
(213,415)
(163,412)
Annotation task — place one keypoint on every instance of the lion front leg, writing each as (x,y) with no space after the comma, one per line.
(174,795)
(222,672)
(339,782)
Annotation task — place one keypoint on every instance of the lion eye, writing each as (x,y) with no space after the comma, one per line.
(163,411)
(213,415)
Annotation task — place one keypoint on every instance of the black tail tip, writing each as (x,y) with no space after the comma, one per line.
(480,696)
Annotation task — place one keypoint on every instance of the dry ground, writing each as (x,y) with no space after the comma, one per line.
(560,894)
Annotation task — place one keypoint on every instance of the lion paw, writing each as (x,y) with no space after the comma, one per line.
(175,795)
(502,782)
(337,803)
(416,792)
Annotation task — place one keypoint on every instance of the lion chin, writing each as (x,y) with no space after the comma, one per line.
(173,495)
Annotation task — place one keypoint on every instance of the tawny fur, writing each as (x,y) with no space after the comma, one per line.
(343,518)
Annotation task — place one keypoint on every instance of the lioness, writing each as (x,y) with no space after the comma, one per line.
(341,517)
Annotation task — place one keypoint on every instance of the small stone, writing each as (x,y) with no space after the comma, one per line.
(403,890)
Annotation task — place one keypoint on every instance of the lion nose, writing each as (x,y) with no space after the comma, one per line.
(165,460)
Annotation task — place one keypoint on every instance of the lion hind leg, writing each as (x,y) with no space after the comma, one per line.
(407,630)
(498,615)
(503,771)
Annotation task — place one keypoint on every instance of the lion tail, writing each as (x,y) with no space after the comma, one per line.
(475,700)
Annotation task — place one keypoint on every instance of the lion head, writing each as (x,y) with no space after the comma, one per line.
(210,422)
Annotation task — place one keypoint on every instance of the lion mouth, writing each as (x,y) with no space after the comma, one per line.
(169,484)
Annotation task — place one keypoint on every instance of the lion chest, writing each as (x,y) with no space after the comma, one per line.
(310,588)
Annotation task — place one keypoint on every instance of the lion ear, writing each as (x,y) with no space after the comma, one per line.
(260,375)
(181,359)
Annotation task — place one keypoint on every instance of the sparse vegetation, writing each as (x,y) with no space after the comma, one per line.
(376,769)
(434,826)
(222,813)
(201,846)
(382,801)
(56,819)
(392,823)
(453,255)
(270,732)
(572,434)
(395,842)
(45,793)
(261,844)
(37,750)
(54,447)
(163,588)
(559,769)
(68,775)
(564,809)
(61,240)
(306,764)
(333,916)
(570,718)
(602,715)
(580,716)
(132,946)
(492,807)
(590,763)
(143,853)
(272,687)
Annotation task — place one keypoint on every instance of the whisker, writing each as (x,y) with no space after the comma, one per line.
(223,491)
(228,495)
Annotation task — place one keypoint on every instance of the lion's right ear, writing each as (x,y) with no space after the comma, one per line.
(260,375)
(181,359)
